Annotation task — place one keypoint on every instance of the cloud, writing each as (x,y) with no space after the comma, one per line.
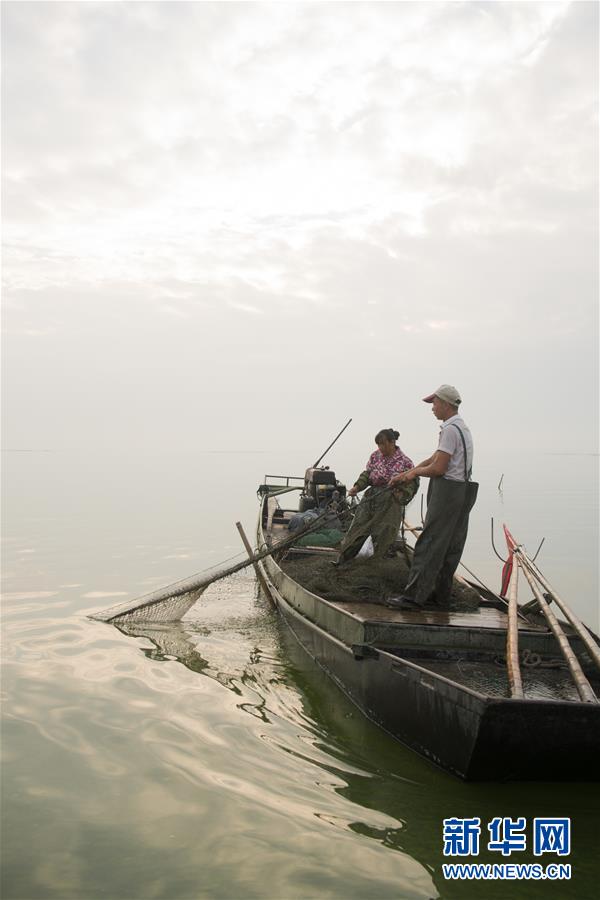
(247,308)
(232,177)
(199,115)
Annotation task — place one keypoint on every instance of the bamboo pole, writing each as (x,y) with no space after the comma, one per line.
(583,686)
(261,578)
(577,624)
(512,638)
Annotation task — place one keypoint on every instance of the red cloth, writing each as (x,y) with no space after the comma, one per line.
(506,575)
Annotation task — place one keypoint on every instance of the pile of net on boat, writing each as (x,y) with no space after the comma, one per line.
(364,580)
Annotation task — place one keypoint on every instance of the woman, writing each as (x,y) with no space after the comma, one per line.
(381,510)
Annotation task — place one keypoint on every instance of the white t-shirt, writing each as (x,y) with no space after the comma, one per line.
(450,442)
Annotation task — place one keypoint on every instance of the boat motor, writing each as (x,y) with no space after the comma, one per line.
(320,488)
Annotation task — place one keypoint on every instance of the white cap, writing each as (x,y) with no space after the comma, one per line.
(445,392)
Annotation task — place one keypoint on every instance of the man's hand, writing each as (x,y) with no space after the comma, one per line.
(402,477)
(353,491)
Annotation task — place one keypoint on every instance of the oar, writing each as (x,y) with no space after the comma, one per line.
(577,624)
(583,686)
(512,638)
(170,603)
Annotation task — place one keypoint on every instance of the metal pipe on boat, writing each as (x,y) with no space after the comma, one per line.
(577,624)
(512,638)
(583,686)
(286,490)
(274,490)
(325,452)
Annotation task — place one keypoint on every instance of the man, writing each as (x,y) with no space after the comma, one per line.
(450,498)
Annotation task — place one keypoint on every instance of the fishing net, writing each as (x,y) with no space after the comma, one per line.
(170,603)
(372,580)
(365,580)
(543,682)
(161,609)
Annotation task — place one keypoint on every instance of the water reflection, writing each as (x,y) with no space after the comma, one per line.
(132,740)
(395,782)
(395,799)
(274,691)
(173,642)
(170,642)
(127,775)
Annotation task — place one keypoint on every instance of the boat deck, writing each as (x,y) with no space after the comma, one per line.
(371,622)
(372,609)
(483,617)
(490,679)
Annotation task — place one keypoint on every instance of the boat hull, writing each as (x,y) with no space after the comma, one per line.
(471,735)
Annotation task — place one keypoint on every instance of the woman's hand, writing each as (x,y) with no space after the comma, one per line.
(353,491)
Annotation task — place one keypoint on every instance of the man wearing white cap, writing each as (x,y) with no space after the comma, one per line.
(450,498)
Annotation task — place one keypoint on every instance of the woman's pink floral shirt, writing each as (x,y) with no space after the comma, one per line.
(381,468)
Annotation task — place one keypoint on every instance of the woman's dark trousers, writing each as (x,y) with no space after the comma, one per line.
(379,514)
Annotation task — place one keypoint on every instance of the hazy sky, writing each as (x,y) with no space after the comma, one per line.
(233,223)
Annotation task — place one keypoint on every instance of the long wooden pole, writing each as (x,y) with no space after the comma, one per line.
(261,578)
(577,624)
(583,686)
(512,638)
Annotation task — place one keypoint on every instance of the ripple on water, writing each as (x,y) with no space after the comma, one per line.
(18,617)
(198,733)
(137,729)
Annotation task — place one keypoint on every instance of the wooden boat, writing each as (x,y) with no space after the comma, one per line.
(438,680)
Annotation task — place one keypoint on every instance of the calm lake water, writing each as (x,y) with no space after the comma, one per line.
(214,759)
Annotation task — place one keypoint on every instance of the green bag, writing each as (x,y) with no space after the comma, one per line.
(329,537)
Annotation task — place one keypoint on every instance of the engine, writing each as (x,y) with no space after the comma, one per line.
(320,488)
